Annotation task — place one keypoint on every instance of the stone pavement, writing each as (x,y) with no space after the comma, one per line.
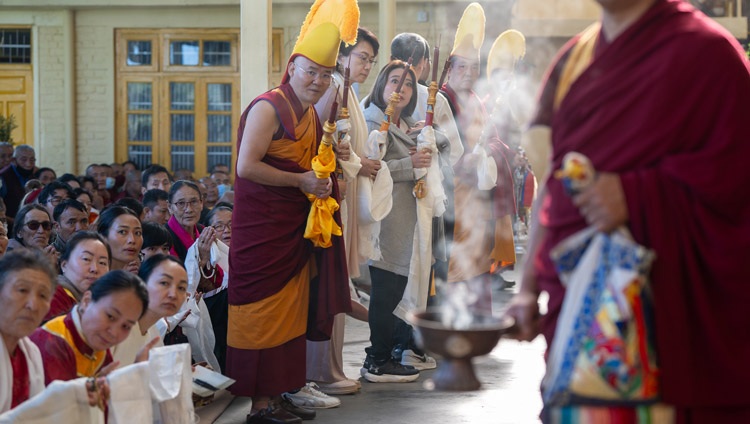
(511,375)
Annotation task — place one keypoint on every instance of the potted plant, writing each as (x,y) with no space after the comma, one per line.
(7,125)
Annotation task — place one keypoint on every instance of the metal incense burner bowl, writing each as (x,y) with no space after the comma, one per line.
(457,347)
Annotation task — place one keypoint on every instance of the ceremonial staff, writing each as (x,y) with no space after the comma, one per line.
(420,189)
(344,115)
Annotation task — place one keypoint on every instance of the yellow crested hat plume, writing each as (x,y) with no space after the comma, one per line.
(508,48)
(327,24)
(470,32)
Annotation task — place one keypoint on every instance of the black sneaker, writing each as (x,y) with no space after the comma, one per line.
(388,372)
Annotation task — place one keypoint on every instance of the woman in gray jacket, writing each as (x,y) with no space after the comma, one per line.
(389,273)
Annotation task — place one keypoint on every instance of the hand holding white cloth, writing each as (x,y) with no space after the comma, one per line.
(486,169)
(352,165)
(374,197)
(431,205)
(433,177)
(60,402)
(197,326)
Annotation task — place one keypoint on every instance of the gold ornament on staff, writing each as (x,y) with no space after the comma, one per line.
(420,188)
(395,97)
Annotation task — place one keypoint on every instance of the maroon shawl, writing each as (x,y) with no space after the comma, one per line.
(268,247)
(665,106)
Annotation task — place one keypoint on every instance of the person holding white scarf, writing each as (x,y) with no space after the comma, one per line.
(27,282)
(390,273)
(325,365)
(167,286)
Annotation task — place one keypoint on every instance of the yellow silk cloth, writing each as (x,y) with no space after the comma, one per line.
(86,365)
(580,59)
(274,320)
(320,223)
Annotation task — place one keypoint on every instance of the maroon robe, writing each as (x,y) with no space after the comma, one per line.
(269,247)
(21,383)
(62,302)
(665,106)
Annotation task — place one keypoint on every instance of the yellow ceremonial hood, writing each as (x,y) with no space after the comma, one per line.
(508,48)
(328,23)
(470,33)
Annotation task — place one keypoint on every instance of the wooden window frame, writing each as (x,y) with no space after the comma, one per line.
(160,74)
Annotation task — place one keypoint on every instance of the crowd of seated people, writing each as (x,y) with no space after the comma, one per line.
(94,268)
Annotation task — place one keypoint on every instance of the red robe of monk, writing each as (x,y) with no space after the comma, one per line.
(281,289)
(665,105)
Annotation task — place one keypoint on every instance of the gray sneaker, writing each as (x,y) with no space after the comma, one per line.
(420,362)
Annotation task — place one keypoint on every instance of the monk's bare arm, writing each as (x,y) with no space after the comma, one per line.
(260,126)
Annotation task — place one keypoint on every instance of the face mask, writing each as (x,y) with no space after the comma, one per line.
(223,188)
(110,183)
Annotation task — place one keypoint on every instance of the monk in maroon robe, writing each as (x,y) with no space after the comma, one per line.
(658,98)
(282,290)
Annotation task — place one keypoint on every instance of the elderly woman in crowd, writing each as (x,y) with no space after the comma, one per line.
(167,285)
(122,230)
(186,205)
(26,284)
(78,343)
(85,259)
(33,230)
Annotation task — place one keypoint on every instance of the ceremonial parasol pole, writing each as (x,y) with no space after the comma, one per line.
(420,189)
(344,114)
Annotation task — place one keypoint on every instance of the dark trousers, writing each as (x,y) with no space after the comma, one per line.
(385,328)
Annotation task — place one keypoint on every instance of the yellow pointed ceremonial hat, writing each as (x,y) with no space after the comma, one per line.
(508,48)
(327,24)
(470,32)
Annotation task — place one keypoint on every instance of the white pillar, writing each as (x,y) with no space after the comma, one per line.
(386,30)
(69,79)
(255,48)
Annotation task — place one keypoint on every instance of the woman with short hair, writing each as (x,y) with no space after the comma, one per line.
(27,282)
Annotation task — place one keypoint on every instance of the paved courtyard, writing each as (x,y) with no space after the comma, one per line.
(510,393)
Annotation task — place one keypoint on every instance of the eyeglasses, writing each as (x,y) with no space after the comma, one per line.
(313,75)
(364,59)
(34,225)
(220,227)
(183,204)
(55,200)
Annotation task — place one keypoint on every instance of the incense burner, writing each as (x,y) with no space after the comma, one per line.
(457,347)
